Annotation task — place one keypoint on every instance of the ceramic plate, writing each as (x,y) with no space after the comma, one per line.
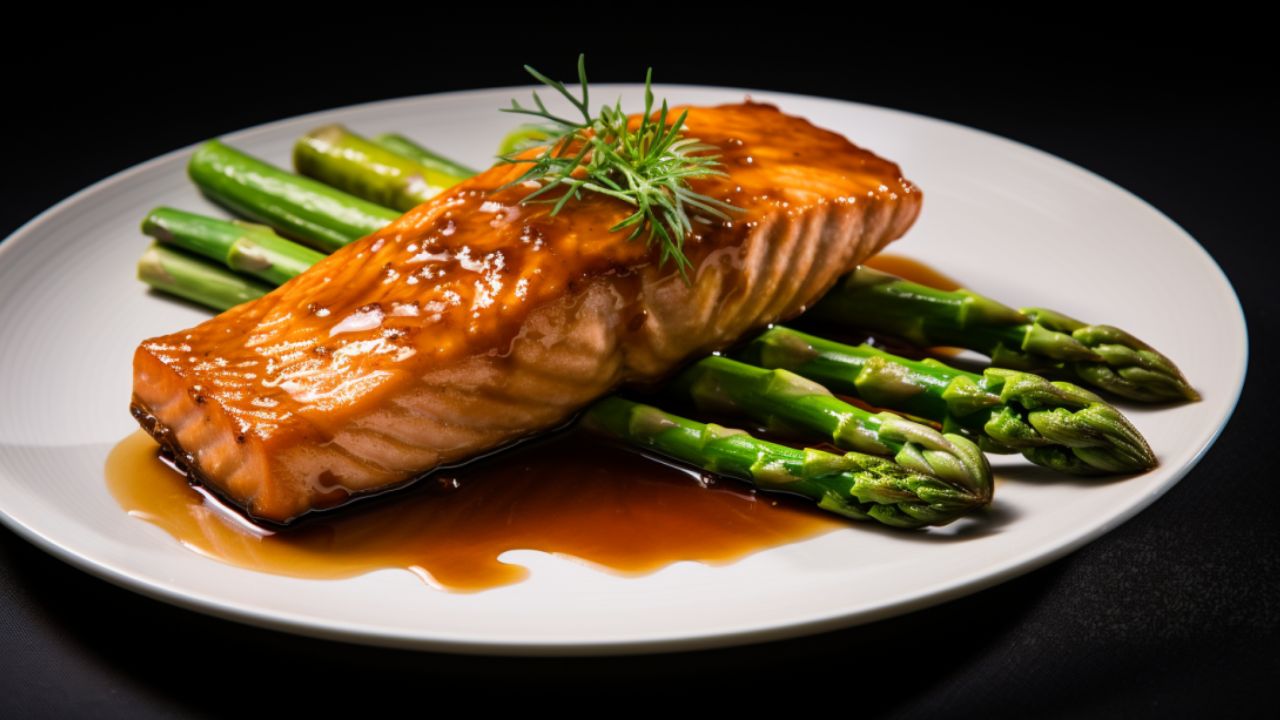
(1016,223)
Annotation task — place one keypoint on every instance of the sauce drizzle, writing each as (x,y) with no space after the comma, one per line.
(913,270)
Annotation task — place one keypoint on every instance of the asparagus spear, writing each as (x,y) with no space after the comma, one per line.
(299,207)
(189,277)
(524,137)
(1030,339)
(242,246)
(334,155)
(404,147)
(1058,425)
(783,400)
(854,485)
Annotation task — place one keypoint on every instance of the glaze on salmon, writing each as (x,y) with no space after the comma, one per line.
(473,320)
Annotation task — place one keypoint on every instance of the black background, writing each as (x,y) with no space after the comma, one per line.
(1174,614)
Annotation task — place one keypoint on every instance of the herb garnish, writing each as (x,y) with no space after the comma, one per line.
(647,167)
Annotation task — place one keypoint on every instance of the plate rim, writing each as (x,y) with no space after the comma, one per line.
(900,605)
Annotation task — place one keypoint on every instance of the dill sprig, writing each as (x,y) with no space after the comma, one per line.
(648,167)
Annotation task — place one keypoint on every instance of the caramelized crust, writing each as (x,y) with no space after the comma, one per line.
(474,320)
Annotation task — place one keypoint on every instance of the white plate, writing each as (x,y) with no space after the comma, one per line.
(1017,223)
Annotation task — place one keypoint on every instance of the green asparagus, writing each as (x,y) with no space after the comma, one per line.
(782,400)
(1055,424)
(302,208)
(188,277)
(1033,339)
(334,155)
(524,137)
(242,246)
(404,147)
(854,485)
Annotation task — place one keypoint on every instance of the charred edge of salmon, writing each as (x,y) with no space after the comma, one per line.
(368,500)
(185,462)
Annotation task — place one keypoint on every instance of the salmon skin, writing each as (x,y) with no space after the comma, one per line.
(474,320)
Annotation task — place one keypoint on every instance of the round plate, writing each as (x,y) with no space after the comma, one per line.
(1016,223)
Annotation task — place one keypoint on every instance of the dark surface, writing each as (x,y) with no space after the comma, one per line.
(1175,613)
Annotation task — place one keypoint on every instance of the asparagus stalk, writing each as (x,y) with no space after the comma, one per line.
(404,147)
(242,246)
(781,399)
(854,485)
(334,155)
(1031,339)
(524,137)
(177,273)
(302,208)
(1058,425)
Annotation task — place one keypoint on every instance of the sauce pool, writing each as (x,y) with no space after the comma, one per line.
(572,495)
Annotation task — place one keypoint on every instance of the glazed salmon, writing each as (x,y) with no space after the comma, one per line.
(475,320)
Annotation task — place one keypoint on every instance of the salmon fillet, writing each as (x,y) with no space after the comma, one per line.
(473,320)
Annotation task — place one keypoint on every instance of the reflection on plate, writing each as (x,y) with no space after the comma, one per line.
(1021,225)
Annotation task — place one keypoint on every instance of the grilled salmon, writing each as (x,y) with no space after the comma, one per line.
(474,319)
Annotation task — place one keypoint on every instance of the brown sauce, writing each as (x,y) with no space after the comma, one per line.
(570,495)
(908,269)
(913,270)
